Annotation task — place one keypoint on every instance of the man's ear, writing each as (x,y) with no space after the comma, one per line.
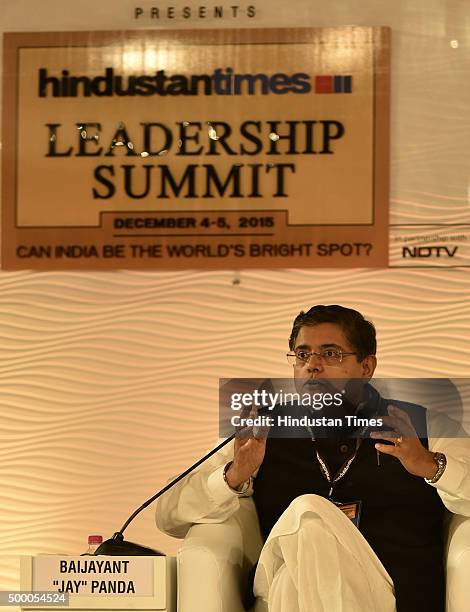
(369,364)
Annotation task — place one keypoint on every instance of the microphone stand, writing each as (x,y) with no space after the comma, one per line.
(118,546)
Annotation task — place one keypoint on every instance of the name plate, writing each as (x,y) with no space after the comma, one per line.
(101,581)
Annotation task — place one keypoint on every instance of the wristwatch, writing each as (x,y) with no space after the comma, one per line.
(244,486)
(441,462)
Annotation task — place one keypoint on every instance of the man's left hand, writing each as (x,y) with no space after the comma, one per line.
(406,446)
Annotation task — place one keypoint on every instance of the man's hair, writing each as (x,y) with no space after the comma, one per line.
(359,332)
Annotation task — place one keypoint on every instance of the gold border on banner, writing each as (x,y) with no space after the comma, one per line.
(183,232)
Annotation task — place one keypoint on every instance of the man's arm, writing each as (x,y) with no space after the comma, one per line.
(202,497)
(448,436)
(454,484)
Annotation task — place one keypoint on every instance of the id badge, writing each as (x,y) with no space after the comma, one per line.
(352,510)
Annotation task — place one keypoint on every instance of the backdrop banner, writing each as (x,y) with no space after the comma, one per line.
(196,148)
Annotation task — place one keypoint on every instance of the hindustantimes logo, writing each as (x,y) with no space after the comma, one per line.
(221,82)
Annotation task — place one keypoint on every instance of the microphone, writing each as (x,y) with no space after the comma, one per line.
(117,546)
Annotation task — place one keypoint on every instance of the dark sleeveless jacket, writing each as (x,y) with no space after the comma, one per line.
(401,515)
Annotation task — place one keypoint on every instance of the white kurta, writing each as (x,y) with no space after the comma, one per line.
(339,573)
(313,544)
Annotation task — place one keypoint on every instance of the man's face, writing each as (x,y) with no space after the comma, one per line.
(330,336)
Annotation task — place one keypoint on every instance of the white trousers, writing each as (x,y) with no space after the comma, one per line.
(316,560)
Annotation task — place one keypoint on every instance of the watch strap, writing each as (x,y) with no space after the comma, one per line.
(441,463)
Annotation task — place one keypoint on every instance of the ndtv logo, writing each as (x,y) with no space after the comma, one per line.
(221,82)
(434,251)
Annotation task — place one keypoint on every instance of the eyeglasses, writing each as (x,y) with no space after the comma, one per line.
(331,357)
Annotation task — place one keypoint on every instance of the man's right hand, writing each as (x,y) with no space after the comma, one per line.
(248,456)
(249,450)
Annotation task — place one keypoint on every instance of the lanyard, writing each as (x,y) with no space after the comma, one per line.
(342,470)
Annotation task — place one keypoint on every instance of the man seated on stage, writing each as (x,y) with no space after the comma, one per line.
(307,489)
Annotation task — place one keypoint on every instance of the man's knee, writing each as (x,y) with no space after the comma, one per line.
(310,502)
(314,510)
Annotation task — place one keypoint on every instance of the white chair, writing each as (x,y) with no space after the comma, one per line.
(214,561)
(458,563)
